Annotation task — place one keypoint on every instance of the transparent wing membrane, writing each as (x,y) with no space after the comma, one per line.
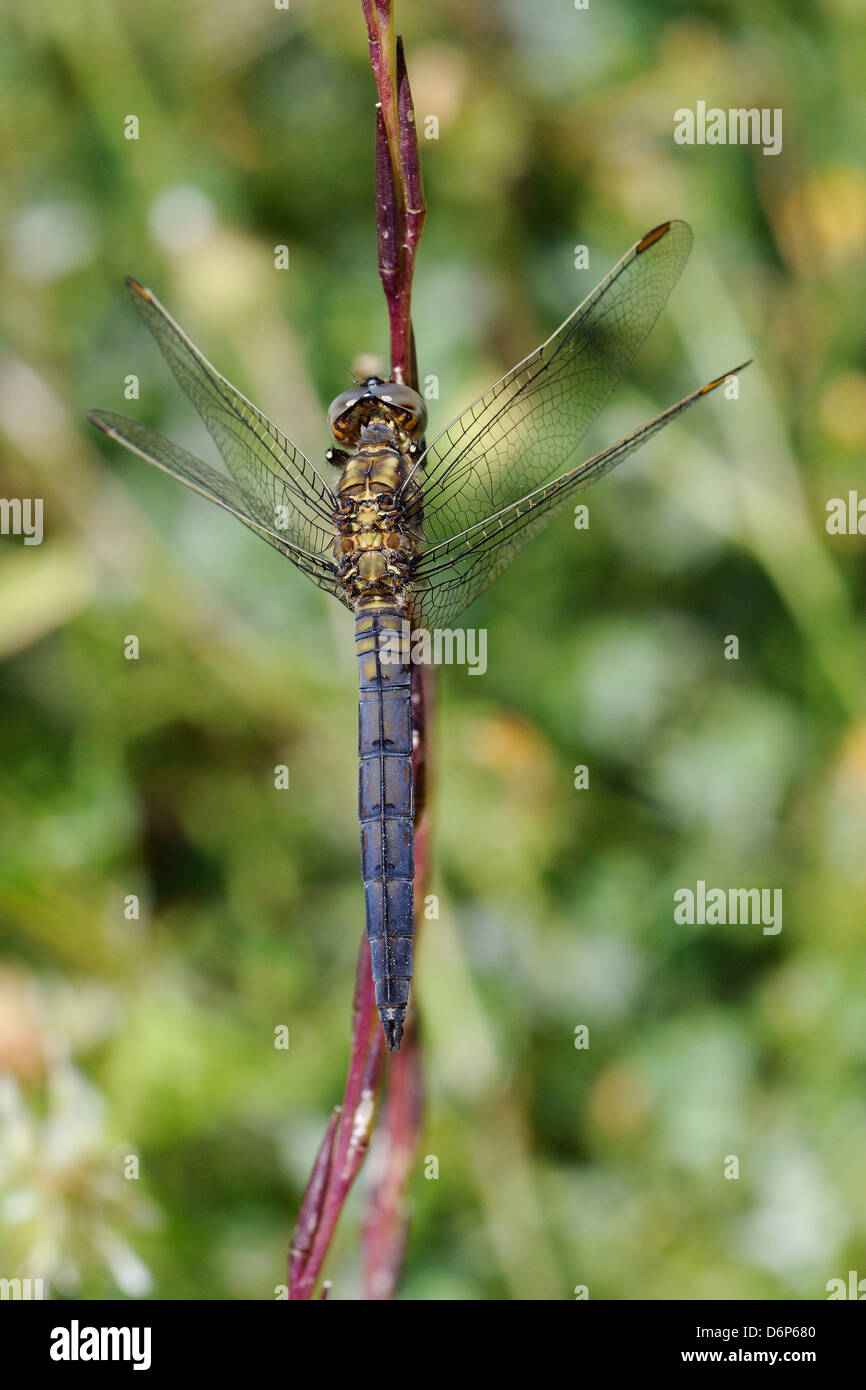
(276,479)
(489,483)
(452,573)
(522,431)
(204,479)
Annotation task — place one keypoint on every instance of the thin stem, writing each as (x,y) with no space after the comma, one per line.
(345,1144)
(400,212)
(400,205)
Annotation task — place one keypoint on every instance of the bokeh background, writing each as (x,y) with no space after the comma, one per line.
(154,1037)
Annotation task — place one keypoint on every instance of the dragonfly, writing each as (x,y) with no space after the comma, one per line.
(407,531)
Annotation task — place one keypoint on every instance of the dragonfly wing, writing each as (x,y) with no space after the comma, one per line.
(524,428)
(208,481)
(449,575)
(275,477)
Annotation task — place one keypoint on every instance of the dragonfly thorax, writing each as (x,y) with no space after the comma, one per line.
(375,545)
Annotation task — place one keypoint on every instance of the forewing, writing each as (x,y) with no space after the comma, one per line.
(524,428)
(202,478)
(271,473)
(448,576)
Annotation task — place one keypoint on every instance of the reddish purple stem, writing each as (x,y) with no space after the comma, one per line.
(345,1143)
(400,206)
(400,212)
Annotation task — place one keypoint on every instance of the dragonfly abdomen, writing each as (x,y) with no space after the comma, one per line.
(385,806)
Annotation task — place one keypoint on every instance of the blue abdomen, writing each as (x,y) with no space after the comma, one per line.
(386,807)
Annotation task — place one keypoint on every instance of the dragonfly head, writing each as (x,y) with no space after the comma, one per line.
(375,400)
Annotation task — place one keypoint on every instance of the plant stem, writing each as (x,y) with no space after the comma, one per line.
(345,1144)
(400,212)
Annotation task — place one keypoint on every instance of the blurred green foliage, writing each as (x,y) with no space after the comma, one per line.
(154,1038)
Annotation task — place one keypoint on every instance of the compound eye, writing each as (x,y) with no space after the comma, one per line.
(406,401)
(341,406)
